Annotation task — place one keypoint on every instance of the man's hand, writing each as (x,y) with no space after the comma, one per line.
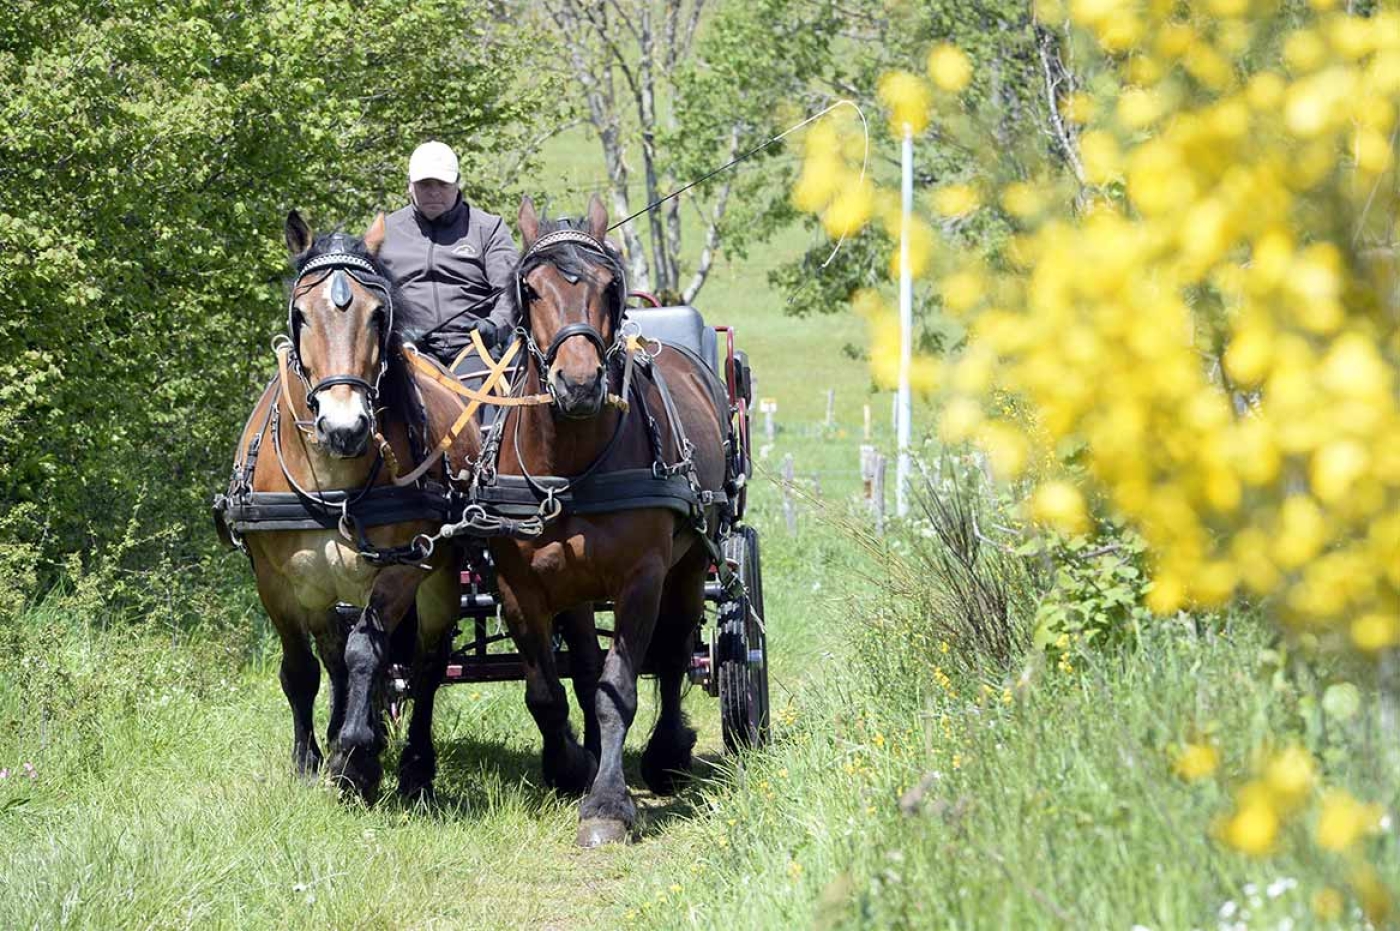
(490,332)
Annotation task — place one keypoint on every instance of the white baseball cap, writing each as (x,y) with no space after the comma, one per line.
(433,160)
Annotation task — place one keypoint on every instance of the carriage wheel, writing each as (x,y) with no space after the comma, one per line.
(741,652)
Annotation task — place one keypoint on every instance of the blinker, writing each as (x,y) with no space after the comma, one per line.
(341,295)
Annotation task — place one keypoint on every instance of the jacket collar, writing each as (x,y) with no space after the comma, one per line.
(449,217)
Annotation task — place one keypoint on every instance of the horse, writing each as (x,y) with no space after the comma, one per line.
(649,561)
(324,521)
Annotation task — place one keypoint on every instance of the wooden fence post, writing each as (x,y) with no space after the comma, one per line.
(878,493)
(866,413)
(789,508)
(867,470)
(768,406)
(831,407)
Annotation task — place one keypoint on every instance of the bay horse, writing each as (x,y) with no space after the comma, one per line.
(325,524)
(650,562)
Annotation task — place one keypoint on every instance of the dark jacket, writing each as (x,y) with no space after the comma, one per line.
(450,266)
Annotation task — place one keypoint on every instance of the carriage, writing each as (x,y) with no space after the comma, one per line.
(730,660)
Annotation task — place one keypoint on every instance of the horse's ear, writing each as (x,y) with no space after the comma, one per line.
(298,234)
(529,223)
(374,236)
(597,218)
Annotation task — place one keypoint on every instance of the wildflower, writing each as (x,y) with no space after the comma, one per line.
(949,68)
(794,870)
(907,97)
(1327,904)
(850,210)
(1375,897)
(4,774)
(1060,505)
(1022,200)
(1254,826)
(1196,761)
(955,200)
(1343,820)
(30,771)
(1289,776)
(675,888)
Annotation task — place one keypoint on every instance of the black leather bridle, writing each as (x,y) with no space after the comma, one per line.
(340,266)
(617,292)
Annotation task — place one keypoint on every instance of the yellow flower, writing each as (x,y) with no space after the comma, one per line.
(1375,897)
(1022,200)
(907,97)
(949,68)
(1289,776)
(1103,162)
(1060,505)
(1375,632)
(956,200)
(1254,826)
(1196,761)
(849,211)
(1342,820)
(794,870)
(959,419)
(1327,904)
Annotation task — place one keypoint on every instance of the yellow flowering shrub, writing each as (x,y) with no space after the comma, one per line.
(1199,304)
(1209,311)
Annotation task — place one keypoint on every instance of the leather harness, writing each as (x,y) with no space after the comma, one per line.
(519,506)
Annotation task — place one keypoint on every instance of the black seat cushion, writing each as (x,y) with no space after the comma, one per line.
(679,326)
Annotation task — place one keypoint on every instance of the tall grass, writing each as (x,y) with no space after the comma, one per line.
(949,777)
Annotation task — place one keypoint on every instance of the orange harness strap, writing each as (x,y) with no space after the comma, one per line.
(495,373)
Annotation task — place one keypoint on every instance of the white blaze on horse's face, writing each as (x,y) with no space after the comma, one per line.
(340,337)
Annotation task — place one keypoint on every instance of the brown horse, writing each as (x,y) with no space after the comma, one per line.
(650,562)
(339,418)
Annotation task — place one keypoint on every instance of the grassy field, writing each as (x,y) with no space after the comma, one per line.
(910,784)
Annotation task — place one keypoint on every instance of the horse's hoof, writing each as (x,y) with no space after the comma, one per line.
(571,772)
(417,792)
(666,760)
(597,832)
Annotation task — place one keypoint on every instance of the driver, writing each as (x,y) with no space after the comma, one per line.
(453,262)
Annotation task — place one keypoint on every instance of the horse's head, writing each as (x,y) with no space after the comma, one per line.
(339,318)
(572,289)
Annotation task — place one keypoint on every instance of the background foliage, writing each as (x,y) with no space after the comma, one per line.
(148,153)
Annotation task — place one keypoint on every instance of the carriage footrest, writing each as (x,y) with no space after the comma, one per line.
(496,667)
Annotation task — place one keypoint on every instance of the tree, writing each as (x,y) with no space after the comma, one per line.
(148,152)
(690,88)
(1005,91)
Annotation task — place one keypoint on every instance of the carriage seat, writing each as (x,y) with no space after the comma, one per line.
(679,326)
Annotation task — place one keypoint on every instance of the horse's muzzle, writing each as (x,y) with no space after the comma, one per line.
(344,440)
(579,400)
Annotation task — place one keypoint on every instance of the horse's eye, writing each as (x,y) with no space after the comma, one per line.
(298,317)
(376,319)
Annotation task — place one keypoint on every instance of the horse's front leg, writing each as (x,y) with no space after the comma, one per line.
(566,766)
(362,736)
(585,667)
(301,678)
(439,600)
(607,813)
